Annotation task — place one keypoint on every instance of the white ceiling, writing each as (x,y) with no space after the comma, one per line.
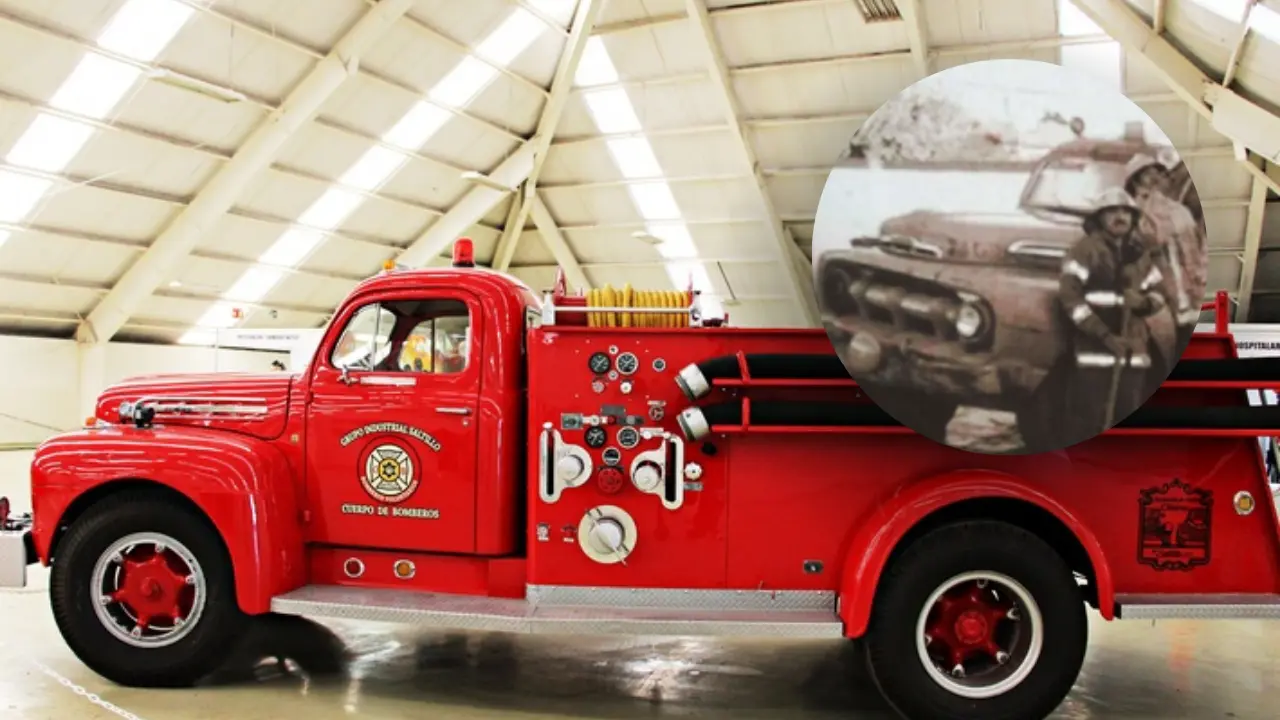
(802,76)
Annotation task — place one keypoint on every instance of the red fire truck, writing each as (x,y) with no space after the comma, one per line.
(616,463)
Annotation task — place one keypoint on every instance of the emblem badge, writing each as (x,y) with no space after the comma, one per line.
(389,474)
(1174,526)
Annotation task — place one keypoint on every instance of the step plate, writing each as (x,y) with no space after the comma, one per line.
(464,612)
(1198,607)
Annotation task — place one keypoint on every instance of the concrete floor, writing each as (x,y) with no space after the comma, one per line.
(1134,670)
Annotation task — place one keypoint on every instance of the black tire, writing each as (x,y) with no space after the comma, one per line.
(206,645)
(928,564)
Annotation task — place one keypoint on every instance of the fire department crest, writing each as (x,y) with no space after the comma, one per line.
(1174,524)
(389,473)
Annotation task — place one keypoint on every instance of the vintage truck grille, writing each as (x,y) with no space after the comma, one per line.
(895,301)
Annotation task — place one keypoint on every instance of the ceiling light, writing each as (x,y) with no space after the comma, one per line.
(196,85)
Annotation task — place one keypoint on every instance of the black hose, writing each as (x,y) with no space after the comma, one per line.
(695,380)
(696,422)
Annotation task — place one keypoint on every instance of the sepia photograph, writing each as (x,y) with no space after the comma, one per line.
(1009,258)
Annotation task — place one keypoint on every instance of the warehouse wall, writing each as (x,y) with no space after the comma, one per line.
(45,386)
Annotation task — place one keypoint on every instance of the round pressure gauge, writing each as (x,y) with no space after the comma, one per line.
(595,437)
(599,363)
(612,456)
(628,437)
(628,363)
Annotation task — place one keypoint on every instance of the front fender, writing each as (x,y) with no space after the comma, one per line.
(908,504)
(245,487)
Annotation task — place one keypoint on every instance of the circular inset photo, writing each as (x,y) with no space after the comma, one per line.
(1009,258)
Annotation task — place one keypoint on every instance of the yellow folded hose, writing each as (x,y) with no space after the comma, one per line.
(627,297)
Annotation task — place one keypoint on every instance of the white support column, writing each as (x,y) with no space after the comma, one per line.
(182,235)
(912,12)
(558,246)
(1252,246)
(719,71)
(92,362)
(804,270)
(1236,118)
(1157,17)
(583,23)
(1233,62)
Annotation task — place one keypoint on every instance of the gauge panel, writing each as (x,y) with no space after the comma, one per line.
(628,437)
(599,363)
(628,363)
(595,437)
(612,456)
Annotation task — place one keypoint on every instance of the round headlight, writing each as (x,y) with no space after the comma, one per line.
(968,321)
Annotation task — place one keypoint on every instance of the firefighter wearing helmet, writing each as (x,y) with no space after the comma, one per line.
(1170,230)
(1109,284)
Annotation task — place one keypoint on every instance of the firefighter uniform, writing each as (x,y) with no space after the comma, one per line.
(1108,286)
(1178,240)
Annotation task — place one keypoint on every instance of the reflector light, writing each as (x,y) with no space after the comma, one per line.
(464,253)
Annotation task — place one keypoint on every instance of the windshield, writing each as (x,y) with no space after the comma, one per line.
(1065,186)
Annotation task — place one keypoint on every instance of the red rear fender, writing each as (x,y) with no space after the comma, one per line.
(243,485)
(911,506)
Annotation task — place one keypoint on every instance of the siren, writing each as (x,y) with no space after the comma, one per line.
(464,253)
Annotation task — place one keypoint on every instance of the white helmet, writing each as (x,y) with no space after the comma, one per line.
(1166,158)
(1114,198)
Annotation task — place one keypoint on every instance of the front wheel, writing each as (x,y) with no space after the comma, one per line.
(142,592)
(977,620)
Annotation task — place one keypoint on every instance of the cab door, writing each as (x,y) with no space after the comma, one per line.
(391,424)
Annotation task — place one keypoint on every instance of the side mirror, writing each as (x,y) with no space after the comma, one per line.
(345,376)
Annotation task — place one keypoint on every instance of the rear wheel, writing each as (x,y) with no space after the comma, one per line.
(977,620)
(143,594)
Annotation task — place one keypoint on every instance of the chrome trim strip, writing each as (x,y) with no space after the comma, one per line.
(624,597)
(1198,607)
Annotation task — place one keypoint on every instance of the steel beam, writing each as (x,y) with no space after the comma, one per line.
(256,154)
(583,23)
(1235,117)
(912,12)
(719,71)
(558,246)
(1252,248)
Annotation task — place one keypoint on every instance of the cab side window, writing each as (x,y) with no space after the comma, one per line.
(366,341)
(440,341)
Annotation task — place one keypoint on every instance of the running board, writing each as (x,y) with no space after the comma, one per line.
(486,614)
(1198,607)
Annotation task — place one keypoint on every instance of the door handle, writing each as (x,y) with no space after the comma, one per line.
(454,410)
(389,380)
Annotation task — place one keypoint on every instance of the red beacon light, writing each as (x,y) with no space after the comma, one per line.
(464,253)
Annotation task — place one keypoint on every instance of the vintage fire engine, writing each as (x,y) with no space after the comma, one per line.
(911,313)
(615,463)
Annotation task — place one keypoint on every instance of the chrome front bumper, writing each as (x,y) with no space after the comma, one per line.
(17,551)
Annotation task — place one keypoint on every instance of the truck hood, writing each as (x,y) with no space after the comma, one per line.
(987,238)
(254,404)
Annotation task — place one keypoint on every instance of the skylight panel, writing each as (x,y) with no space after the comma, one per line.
(635,157)
(595,67)
(331,209)
(142,29)
(676,240)
(4,237)
(292,247)
(612,111)
(49,143)
(373,168)
(417,126)
(95,87)
(511,38)
(463,83)
(1230,9)
(1266,22)
(1072,22)
(256,282)
(654,201)
(219,315)
(19,194)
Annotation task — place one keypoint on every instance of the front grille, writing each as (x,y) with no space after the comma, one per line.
(896,302)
